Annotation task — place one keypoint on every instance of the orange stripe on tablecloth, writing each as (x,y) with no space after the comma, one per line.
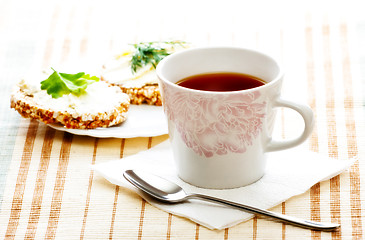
(141,218)
(16,206)
(335,187)
(313,141)
(40,183)
(115,204)
(169,221)
(143,204)
(197,228)
(226,230)
(355,202)
(59,186)
(149,143)
(354,172)
(116,195)
(122,145)
(87,204)
(283,226)
(315,192)
(254,228)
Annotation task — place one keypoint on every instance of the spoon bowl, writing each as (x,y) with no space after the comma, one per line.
(167,191)
(155,186)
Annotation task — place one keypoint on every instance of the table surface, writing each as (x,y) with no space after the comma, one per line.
(47,187)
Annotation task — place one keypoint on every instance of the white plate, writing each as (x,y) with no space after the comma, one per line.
(142,121)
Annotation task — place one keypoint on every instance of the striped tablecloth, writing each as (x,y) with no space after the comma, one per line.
(47,187)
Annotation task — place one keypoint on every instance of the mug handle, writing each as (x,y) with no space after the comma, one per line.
(307,115)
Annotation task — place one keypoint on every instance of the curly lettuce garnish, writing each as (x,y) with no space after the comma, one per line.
(59,84)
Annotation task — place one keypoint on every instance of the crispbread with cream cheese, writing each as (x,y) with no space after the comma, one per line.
(102,105)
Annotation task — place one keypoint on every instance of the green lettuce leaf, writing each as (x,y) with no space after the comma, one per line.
(59,84)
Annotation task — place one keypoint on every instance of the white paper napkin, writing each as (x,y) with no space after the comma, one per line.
(288,173)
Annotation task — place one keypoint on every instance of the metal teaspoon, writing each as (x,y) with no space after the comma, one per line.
(167,191)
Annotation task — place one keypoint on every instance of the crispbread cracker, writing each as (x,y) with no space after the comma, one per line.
(29,106)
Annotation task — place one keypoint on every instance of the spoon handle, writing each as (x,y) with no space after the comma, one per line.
(283,218)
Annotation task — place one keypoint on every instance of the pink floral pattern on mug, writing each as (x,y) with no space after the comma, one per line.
(215,124)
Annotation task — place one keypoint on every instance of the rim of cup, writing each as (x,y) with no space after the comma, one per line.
(161,64)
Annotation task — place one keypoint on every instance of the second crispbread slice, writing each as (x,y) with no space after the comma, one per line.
(134,70)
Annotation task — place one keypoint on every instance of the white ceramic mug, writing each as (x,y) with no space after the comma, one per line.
(219,139)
